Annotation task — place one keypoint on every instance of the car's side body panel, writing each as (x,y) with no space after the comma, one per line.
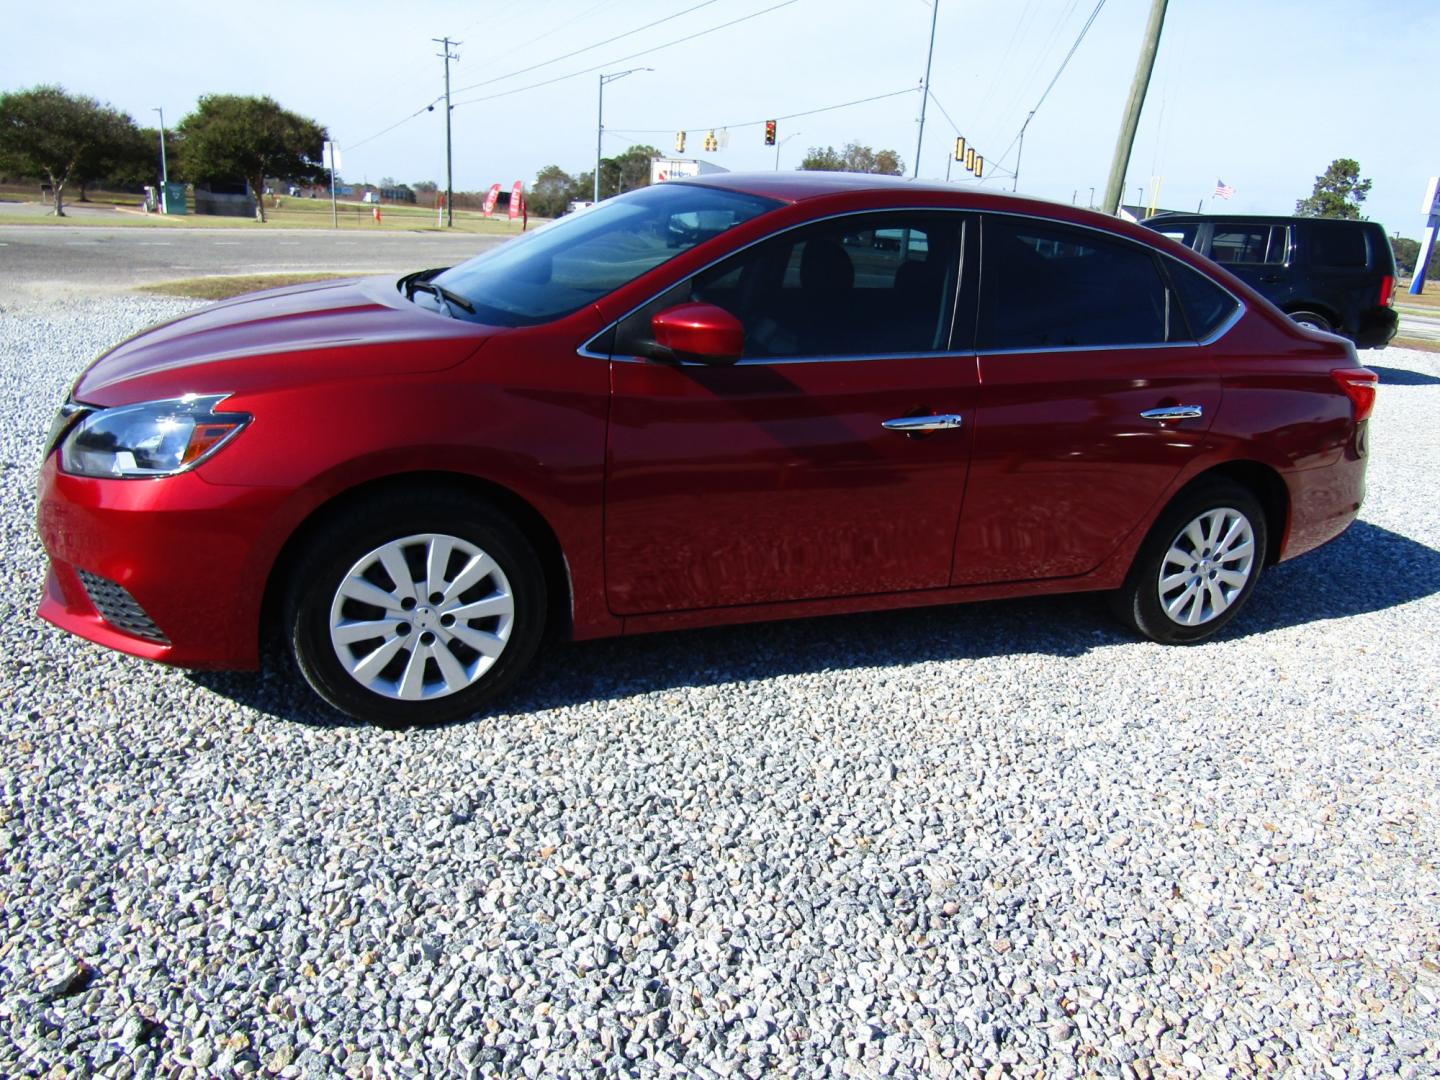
(754,492)
(774,482)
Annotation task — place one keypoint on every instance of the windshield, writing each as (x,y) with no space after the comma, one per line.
(558,269)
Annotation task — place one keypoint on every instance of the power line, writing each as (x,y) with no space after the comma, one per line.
(1081,37)
(757,123)
(392,127)
(631,56)
(587,48)
(561,78)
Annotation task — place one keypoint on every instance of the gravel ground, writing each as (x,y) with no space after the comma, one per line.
(995,839)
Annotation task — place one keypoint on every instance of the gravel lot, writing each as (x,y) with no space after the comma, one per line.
(1003,838)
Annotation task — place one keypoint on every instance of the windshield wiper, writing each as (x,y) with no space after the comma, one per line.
(446,295)
(420,280)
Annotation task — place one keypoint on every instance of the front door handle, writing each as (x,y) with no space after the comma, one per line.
(1175,412)
(909,425)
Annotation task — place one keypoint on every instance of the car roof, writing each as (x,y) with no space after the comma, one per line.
(803,186)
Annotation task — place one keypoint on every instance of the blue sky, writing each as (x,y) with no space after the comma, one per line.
(1262,94)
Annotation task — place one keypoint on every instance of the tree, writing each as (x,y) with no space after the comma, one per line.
(425,187)
(131,160)
(1407,254)
(552,191)
(854,158)
(624,172)
(1338,193)
(231,136)
(59,137)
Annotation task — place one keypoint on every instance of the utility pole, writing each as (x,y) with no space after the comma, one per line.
(925,86)
(1146,63)
(445,43)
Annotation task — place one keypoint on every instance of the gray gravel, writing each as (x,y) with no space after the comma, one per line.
(996,839)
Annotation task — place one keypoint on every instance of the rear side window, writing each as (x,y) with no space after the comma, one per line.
(1205,304)
(1249,243)
(1337,244)
(1046,286)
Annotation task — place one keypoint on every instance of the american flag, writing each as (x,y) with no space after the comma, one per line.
(1224,190)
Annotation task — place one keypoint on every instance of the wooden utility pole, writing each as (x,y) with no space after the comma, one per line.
(449,176)
(1115,189)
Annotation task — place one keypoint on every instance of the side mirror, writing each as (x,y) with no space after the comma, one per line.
(701,332)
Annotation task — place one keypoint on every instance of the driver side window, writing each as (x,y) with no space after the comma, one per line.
(874,284)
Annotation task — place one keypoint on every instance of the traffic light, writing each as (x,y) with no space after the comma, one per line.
(970,159)
(979,166)
(679,142)
(769,132)
(960,149)
(711,143)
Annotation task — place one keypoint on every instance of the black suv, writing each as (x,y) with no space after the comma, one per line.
(1332,275)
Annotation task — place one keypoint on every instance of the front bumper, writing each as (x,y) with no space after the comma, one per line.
(190,554)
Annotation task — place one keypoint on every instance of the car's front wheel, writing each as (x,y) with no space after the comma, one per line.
(1198,566)
(414,608)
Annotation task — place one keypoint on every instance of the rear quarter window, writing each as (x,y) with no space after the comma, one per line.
(1338,244)
(1206,305)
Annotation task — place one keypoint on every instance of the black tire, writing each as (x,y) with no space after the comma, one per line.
(1141,602)
(398,523)
(1312,320)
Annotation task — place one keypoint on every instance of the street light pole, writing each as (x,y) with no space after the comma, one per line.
(164,168)
(600,120)
(925,87)
(1020,153)
(782,144)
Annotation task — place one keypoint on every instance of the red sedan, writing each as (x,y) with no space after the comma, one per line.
(713,401)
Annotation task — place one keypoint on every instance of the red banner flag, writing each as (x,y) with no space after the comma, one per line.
(517,196)
(491,199)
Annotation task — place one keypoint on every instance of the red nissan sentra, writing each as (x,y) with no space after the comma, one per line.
(713,401)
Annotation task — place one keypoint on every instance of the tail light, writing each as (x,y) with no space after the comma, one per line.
(1387,291)
(1359,385)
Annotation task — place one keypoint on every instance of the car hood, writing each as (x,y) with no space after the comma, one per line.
(335,329)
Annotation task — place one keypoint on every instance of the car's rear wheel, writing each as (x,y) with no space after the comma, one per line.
(1198,566)
(1312,321)
(414,609)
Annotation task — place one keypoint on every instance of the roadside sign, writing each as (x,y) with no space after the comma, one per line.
(1430,207)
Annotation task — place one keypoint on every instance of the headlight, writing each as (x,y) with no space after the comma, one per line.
(155,438)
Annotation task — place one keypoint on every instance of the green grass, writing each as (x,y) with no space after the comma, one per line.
(223,287)
(292,213)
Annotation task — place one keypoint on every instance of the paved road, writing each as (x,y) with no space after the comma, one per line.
(1425,327)
(36,260)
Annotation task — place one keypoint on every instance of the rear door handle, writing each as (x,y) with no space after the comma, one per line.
(1175,412)
(911,424)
